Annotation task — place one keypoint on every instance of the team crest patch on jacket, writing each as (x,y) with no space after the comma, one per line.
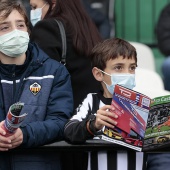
(35,88)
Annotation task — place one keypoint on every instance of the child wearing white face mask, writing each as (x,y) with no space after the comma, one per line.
(14,43)
(114,62)
(28,75)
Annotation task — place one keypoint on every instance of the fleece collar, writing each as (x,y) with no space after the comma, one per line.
(34,59)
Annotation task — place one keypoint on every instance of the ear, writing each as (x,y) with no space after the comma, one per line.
(98,75)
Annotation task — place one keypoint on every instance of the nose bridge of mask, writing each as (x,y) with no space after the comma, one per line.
(122,76)
(15,33)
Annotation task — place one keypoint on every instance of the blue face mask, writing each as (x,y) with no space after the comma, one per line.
(35,15)
(127,80)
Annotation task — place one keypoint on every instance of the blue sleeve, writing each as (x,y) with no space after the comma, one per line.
(158,161)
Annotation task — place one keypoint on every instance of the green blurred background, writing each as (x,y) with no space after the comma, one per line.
(135,20)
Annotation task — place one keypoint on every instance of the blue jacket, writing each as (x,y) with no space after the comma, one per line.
(158,161)
(49,105)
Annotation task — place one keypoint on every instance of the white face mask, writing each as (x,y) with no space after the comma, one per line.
(14,43)
(127,80)
(35,15)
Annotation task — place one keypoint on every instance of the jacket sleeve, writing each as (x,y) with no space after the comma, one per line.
(46,34)
(163,31)
(59,110)
(75,130)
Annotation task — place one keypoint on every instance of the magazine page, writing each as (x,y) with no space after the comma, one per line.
(13,119)
(132,109)
(158,127)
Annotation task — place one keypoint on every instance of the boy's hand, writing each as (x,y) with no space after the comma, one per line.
(16,138)
(10,142)
(5,143)
(103,117)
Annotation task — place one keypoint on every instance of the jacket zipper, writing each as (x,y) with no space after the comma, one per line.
(14,86)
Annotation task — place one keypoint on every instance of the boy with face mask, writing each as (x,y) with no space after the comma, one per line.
(114,62)
(28,75)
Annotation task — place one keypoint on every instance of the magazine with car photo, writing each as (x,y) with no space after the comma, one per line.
(132,109)
(143,123)
(157,133)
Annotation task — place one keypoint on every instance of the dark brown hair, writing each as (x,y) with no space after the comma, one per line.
(6,7)
(83,31)
(111,49)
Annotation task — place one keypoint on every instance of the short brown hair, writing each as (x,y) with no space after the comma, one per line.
(6,7)
(111,49)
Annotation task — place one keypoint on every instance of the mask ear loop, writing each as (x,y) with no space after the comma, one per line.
(44,5)
(106,74)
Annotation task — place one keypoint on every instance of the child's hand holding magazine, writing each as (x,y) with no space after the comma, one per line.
(11,134)
(104,117)
(13,119)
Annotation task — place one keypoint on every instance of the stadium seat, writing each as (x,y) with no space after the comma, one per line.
(149,83)
(145,56)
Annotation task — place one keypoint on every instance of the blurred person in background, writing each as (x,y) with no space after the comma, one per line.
(100,19)
(163,37)
(81,36)
(26,4)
